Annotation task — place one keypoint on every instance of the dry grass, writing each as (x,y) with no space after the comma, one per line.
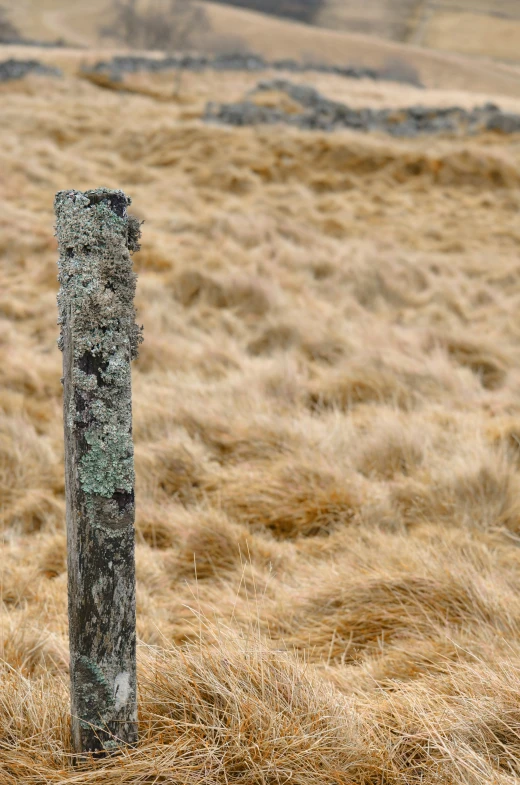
(327,428)
(474,34)
(481,28)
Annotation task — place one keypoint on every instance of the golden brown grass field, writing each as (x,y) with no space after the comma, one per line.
(327,431)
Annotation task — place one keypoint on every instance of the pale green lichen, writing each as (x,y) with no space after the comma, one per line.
(111,745)
(108,465)
(93,693)
(96,304)
(84,381)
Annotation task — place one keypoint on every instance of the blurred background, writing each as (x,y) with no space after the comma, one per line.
(480,28)
(477,28)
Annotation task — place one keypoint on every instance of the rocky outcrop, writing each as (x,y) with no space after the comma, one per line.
(318,112)
(119,66)
(17,69)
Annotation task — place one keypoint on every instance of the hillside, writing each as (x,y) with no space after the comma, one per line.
(275,38)
(462,27)
(326,425)
(484,28)
(383,18)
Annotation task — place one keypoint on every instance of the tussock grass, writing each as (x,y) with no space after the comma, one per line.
(327,429)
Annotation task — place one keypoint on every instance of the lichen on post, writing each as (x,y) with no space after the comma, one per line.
(99,338)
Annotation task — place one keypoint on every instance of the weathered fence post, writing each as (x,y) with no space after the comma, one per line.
(99,338)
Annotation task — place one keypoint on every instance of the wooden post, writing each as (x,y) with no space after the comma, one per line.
(99,338)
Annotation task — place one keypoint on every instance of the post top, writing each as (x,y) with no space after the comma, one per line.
(115,199)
